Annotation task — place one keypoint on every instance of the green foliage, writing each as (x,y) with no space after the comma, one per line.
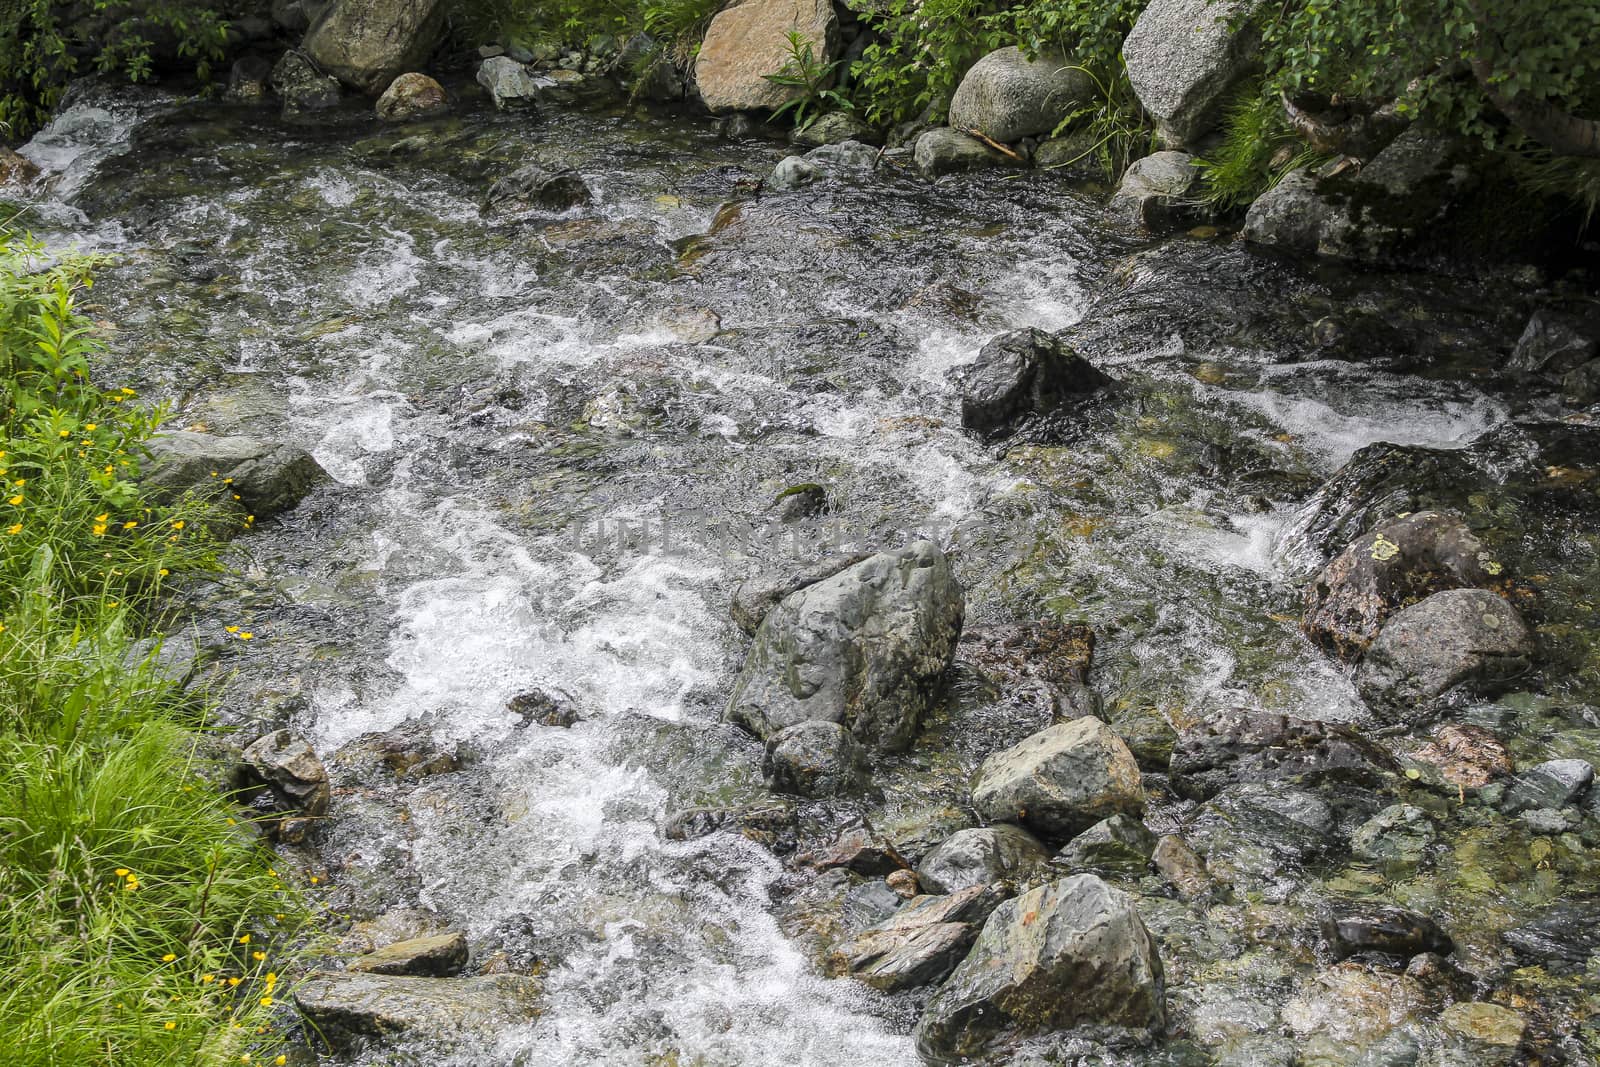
(1115,124)
(1257,149)
(564,23)
(812,78)
(1570,178)
(923,49)
(135,904)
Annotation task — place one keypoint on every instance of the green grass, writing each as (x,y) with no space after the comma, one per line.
(142,917)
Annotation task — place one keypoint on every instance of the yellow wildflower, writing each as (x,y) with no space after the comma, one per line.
(258,955)
(14,529)
(169,957)
(15,501)
(245,940)
(170,1025)
(122,872)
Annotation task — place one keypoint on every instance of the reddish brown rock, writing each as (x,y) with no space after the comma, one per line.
(15,169)
(412,96)
(748,41)
(1468,756)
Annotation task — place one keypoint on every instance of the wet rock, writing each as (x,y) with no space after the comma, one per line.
(1352,1004)
(866,648)
(366,44)
(1118,845)
(1258,832)
(921,943)
(1242,745)
(1061,780)
(1008,96)
(536,707)
(249,80)
(904,883)
(833,908)
(408,751)
(1581,387)
(1146,731)
(754,597)
(1182,867)
(945,151)
(396,924)
(745,43)
(1402,195)
(1564,936)
(438,956)
(538,187)
(1461,637)
(268,476)
(1488,1024)
(844,157)
(769,825)
(302,86)
(799,502)
(793,172)
(1021,373)
(1073,154)
(1156,191)
(508,83)
(1399,833)
(1360,927)
(1183,56)
(1551,785)
(347,1007)
(981,856)
(815,759)
(412,96)
(862,851)
(833,128)
(294,780)
(16,169)
(1067,954)
(1467,756)
(296,16)
(1553,344)
(172,662)
(1043,661)
(1389,568)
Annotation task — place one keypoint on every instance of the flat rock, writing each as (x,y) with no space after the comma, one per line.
(347,1007)
(438,956)
(921,943)
(1467,756)
(269,476)
(1554,784)
(1244,745)
(1399,833)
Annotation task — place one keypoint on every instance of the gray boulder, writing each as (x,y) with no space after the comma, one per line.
(844,156)
(508,83)
(347,1008)
(1459,637)
(435,956)
(866,648)
(793,172)
(1157,190)
(269,477)
(1007,96)
(1021,373)
(981,856)
(754,597)
(815,759)
(1120,845)
(1072,953)
(541,186)
(1183,56)
(945,151)
(366,44)
(1061,780)
(833,128)
(748,41)
(1553,784)
(302,86)
(412,96)
(1260,833)
(921,943)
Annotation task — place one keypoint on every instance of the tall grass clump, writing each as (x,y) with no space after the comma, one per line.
(142,918)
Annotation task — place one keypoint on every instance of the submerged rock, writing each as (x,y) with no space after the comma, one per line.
(863,851)
(1362,927)
(1182,867)
(269,477)
(1007,95)
(1389,568)
(1242,745)
(1183,56)
(1258,832)
(1399,833)
(538,187)
(922,942)
(345,1008)
(302,86)
(1020,373)
(866,648)
(1061,780)
(1553,785)
(366,44)
(771,825)
(412,96)
(815,759)
(946,151)
(508,83)
(1462,637)
(436,956)
(1072,953)
(1485,1023)
(1467,756)
(1564,936)
(746,42)
(981,856)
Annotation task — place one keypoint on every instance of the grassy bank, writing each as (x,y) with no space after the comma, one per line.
(141,915)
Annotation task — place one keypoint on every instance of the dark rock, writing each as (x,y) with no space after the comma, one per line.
(770,825)
(815,759)
(1118,845)
(754,597)
(946,151)
(538,187)
(1021,373)
(408,751)
(866,648)
(833,128)
(922,942)
(508,83)
(1182,867)
(1564,936)
(981,856)
(302,86)
(1256,831)
(269,477)
(1467,756)
(346,1008)
(1358,927)
(1068,954)
(1399,833)
(800,501)
(862,851)
(412,96)
(1043,660)
(1554,784)
(366,44)
(538,707)
(1461,637)
(1061,780)
(249,80)
(1242,745)
(1554,343)
(295,781)
(1389,568)
(1008,95)
(1580,387)
(438,956)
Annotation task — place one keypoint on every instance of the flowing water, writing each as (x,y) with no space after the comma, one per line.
(554,443)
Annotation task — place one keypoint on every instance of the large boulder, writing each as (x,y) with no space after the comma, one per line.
(366,44)
(981,856)
(1061,780)
(922,942)
(1183,56)
(1389,568)
(750,40)
(1375,215)
(1020,373)
(1242,745)
(347,1008)
(1458,637)
(947,151)
(1008,96)
(866,648)
(1072,953)
(754,597)
(267,476)
(1157,190)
